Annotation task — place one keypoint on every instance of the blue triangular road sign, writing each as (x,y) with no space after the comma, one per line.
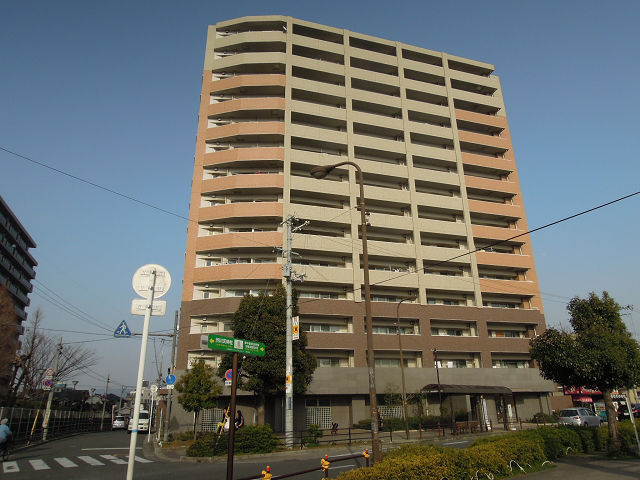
(122,330)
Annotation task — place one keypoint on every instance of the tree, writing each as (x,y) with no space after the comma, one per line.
(198,389)
(263,319)
(600,353)
(37,355)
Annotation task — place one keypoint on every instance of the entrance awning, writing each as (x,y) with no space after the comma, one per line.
(467,389)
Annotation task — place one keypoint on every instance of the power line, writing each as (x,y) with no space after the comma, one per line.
(597,207)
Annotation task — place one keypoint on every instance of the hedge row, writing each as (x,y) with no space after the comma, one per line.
(249,439)
(488,456)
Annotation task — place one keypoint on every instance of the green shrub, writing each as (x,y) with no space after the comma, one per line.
(422,462)
(249,439)
(312,436)
(627,437)
(542,417)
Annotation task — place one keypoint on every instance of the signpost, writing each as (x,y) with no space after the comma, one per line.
(236,345)
(171,380)
(295,328)
(150,282)
(122,331)
(245,347)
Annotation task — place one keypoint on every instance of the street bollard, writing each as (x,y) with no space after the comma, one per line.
(324,464)
(366,456)
(266,474)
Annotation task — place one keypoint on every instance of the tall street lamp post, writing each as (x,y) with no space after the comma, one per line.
(319,173)
(404,388)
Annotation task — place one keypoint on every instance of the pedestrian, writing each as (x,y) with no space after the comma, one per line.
(223,425)
(239,423)
(5,436)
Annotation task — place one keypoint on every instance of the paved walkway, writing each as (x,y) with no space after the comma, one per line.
(589,467)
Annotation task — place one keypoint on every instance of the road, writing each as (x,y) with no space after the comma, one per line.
(105,455)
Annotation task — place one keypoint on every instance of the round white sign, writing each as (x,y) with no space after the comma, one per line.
(154,388)
(143,280)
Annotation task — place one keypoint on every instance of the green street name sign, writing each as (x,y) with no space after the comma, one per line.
(230,344)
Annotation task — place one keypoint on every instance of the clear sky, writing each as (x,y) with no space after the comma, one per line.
(109,91)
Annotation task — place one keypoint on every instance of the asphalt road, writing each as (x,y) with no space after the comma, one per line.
(105,455)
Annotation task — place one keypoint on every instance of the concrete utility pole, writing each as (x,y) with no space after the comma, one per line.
(290,276)
(47,413)
(173,362)
(104,402)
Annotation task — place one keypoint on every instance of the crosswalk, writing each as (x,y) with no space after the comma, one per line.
(64,462)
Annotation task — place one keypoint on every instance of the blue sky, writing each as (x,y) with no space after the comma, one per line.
(109,91)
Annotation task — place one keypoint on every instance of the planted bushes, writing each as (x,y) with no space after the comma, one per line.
(488,456)
(249,439)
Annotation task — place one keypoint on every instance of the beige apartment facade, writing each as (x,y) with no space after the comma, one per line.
(446,221)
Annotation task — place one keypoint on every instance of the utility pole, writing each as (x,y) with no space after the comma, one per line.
(47,413)
(173,361)
(290,276)
(104,402)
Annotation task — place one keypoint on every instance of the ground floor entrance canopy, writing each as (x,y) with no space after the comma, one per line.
(466,389)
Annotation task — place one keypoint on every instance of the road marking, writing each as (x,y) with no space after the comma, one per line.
(39,465)
(142,460)
(113,459)
(344,466)
(90,460)
(455,443)
(10,467)
(109,448)
(65,462)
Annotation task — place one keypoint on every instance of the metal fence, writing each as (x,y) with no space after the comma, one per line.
(26,423)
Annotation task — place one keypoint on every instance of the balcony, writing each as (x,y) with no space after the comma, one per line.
(244,271)
(500,209)
(239,104)
(231,156)
(238,240)
(249,129)
(263,210)
(243,182)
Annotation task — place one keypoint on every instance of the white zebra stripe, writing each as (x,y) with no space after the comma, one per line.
(113,459)
(10,467)
(39,465)
(142,460)
(90,460)
(65,462)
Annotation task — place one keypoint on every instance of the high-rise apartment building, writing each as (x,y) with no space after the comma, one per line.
(16,274)
(445,213)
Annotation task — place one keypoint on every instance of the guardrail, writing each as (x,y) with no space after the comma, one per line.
(325,466)
(26,423)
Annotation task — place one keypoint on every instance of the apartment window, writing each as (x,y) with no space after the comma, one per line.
(506,363)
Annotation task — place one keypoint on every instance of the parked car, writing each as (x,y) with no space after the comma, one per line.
(143,423)
(118,423)
(582,417)
(623,411)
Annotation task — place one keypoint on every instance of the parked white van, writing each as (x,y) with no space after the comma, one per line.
(143,422)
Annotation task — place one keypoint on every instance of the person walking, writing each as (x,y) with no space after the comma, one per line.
(5,437)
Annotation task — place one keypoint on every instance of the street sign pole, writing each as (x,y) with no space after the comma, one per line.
(232,418)
(143,354)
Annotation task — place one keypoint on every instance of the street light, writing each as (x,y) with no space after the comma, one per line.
(319,173)
(404,389)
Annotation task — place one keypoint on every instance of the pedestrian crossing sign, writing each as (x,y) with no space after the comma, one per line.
(122,331)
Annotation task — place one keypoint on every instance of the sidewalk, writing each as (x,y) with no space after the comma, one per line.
(588,467)
(388,442)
